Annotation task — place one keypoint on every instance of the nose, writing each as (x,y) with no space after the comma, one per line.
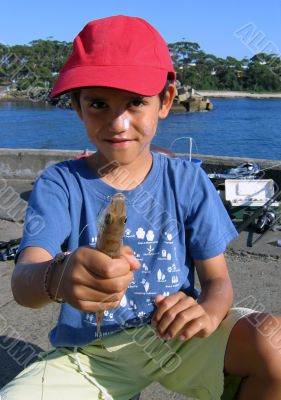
(120,123)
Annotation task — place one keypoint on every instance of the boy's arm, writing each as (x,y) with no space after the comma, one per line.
(28,277)
(88,279)
(181,316)
(216,289)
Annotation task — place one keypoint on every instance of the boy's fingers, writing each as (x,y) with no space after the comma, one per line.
(172,323)
(193,328)
(168,302)
(174,316)
(159,298)
(128,253)
(162,307)
(83,293)
(132,260)
(127,250)
(105,286)
(100,264)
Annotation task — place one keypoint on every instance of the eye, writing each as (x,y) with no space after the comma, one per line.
(98,104)
(137,103)
(108,219)
(123,220)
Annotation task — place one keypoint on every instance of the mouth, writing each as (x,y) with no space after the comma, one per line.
(119,142)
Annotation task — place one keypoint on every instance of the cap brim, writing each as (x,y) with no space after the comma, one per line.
(147,81)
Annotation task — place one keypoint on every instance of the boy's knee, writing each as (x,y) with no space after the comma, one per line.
(265,340)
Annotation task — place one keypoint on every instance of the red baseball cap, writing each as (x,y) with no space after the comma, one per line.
(120,52)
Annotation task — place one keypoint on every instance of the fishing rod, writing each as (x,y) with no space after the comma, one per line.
(258,212)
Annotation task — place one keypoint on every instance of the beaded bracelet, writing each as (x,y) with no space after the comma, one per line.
(58,259)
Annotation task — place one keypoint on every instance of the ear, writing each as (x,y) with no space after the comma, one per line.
(168,101)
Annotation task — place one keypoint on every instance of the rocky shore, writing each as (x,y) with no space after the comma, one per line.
(40,95)
(34,95)
(232,94)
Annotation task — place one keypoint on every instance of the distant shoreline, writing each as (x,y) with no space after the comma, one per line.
(235,94)
(227,94)
(15,98)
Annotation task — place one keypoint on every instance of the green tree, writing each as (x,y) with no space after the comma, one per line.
(38,64)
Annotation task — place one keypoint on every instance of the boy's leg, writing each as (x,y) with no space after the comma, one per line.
(193,367)
(58,376)
(55,376)
(52,376)
(254,352)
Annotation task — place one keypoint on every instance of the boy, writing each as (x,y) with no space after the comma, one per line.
(155,326)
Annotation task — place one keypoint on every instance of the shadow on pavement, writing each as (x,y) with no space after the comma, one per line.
(15,355)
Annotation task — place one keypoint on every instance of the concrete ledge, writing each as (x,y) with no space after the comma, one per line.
(28,163)
(20,167)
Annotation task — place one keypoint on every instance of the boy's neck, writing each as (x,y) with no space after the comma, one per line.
(122,177)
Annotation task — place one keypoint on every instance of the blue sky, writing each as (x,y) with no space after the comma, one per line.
(212,24)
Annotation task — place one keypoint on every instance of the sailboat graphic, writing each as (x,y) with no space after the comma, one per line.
(160,276)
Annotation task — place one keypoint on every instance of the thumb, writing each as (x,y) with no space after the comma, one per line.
(159,298)
(127,253)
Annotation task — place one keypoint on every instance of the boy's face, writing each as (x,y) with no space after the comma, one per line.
(121,124)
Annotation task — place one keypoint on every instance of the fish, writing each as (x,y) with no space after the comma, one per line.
(111,228)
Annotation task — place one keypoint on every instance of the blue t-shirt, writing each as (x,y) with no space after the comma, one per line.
(173,217)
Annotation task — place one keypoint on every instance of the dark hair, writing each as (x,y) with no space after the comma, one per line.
(163,92)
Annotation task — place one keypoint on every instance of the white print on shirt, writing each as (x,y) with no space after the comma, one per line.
(133,284)
(146,284)
(132,305)
(108,314)
(166,294)
(169,236)
(140,233)
(145,269)
(165,255)
(150,301)
(93,240)
(123,301)
(173,268)
(107,333)
(160,276)
(141,314)
(90,318)
(150,236)
(145,293)
(150,251)
(128,233)
(175,282)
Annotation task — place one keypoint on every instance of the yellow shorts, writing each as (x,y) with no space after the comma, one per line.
(123,364)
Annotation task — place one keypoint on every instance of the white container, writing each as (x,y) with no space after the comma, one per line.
(249,192)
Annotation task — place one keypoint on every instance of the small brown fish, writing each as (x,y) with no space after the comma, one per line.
(111,229)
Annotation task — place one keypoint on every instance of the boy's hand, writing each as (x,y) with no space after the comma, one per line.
(91,281)
(179,315)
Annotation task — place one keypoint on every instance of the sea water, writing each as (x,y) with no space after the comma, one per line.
(235,127)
